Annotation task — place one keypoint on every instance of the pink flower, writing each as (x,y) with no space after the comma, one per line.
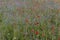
(32,30)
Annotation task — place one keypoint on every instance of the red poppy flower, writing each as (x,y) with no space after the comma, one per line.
(59,38)
(36,32)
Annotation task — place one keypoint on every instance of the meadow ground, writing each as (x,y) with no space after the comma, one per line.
(26,22)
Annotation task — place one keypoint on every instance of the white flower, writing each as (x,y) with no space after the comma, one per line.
(14,38)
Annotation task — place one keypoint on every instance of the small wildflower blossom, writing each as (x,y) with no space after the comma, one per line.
(14,38)
(32,30)
(53,28)
(36,23)
(36,32)
(26,20)
(43,34)
(8,33)
(59,38)
(38,16)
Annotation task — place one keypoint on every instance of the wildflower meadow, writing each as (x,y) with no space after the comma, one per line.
(29,20)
